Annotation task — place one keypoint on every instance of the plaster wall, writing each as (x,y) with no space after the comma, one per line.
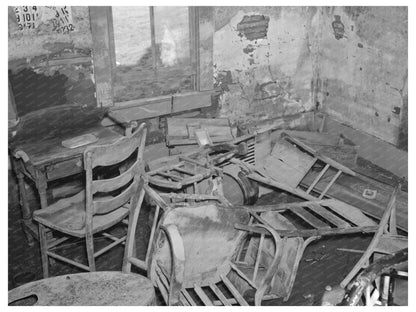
(364,70)
(59,64)
(270,76)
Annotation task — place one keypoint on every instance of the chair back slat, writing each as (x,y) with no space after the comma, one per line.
(107,155)
(108,204)
(118,155)
(108,185)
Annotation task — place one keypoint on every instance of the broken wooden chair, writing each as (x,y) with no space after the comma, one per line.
(160,203)
(290,161)
(193,257)
(104,203)
(385,240)
(297,225)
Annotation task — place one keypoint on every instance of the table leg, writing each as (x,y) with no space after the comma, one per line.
(24,204)
(41,185)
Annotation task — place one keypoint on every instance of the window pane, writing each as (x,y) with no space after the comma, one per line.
(135,75)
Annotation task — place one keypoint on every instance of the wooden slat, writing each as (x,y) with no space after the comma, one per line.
(188,297)
(234,291)
(107,205)
(107,155)
(334,178)
(328,215)
(170,176)
(309,232)
(108,185)
(310,188)
(219,294)
(183,300)
(201,294)
(310,218)
(350,213)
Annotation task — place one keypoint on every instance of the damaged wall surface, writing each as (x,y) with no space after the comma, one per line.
(268,62)
(363,64)
(50,58)
(264,60)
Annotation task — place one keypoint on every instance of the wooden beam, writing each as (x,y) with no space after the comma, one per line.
(100,30)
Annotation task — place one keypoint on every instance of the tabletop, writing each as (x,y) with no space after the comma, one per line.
(93,288)
(40,134)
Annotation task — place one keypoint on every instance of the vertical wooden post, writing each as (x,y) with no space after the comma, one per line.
(205,41)
(103,53)
(153,36)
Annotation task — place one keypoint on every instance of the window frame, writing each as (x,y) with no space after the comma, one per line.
(201,30)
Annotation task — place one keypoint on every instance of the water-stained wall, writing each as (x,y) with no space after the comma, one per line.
(363,64)
(264,60)
(47,65)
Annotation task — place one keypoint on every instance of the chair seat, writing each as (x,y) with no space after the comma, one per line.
(68,216)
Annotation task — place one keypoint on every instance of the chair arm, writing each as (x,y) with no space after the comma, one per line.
(178,262)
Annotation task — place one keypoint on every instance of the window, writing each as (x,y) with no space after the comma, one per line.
(152,52)
(158,56)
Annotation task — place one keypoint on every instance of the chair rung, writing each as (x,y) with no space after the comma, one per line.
(223,300)
(234,291)
(202,295)
(56,256)
(138,263)
(108,247)
(57,242)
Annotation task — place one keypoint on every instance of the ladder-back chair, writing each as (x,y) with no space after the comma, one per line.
(105,202)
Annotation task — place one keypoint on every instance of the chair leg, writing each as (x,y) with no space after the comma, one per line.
(44,250)
(89,242)
(129,249)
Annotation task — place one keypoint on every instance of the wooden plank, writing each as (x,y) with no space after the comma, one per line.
(99,20)
(234,291)
(201,294)
(310,218)
(191,100)
(340,223)
(334,178)
(308,233)
(369,147)
(319,176)
(188,297)
(350,213)
(288,164)
(219,294)
(177,127)
(153,36)
(206,43)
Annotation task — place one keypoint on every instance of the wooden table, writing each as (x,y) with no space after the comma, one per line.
(86,289)
(37,151)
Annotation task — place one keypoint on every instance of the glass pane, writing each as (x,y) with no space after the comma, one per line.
(135,74)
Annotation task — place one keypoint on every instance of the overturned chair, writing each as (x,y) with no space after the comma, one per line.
(193,258)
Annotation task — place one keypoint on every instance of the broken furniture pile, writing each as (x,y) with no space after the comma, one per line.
(210,244)
(209,247)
